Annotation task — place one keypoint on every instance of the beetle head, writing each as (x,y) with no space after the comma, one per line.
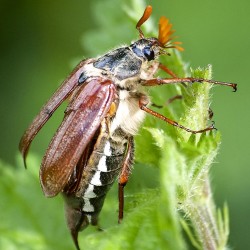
(150,48)
(146,48)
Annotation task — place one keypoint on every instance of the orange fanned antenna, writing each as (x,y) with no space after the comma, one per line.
(143,19)
(165,32)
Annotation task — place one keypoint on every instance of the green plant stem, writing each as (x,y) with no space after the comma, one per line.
(201,214)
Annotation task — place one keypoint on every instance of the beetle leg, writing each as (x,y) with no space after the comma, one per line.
(210,113)
(175,79)
(176,97)
(169,101)
(167,70)
(170,72)
(143,102)
(161,81)
(125,172)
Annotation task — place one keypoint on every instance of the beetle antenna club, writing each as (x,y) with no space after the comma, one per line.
(94,145)
(143,19)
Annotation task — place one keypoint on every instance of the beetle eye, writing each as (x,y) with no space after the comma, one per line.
(150,55)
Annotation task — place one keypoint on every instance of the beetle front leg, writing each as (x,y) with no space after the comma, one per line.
(161,81)
(125,172)
(143,102)
(167,70)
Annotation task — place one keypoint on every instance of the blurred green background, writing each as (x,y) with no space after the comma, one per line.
(41,41)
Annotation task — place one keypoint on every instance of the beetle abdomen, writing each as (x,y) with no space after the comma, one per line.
(103,165)
(102,178)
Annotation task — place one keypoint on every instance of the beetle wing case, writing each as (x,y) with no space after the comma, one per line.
(89,105)
(61,94)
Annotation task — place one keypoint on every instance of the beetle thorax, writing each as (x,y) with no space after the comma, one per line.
(128,116)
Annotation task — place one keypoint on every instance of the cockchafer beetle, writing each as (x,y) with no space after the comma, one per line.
(94,144)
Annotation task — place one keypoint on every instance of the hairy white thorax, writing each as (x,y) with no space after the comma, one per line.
(128,115)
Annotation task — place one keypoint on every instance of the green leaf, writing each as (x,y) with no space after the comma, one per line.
(28,219)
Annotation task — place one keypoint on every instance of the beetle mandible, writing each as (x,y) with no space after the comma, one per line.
(94,144)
